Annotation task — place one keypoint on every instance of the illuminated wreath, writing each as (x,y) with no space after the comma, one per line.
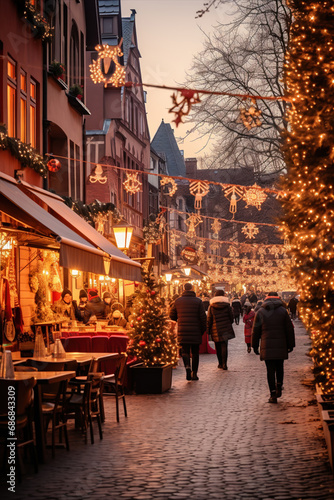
(168,180)
(132,184)
(113,73)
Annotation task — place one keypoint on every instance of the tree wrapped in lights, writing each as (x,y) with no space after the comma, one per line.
(309,155)
(150,339)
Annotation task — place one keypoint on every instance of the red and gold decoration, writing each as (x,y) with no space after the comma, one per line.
(199,189)
(132,183)
(151,341)
(109,57)
(54,165)
(182,103)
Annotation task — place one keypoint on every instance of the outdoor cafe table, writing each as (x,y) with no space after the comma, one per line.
(83,358)
(42,378)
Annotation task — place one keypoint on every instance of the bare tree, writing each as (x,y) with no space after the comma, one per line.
(245,56)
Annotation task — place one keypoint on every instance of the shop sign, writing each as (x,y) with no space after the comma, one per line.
(189,255)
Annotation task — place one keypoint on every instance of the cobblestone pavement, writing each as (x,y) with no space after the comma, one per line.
(217,438)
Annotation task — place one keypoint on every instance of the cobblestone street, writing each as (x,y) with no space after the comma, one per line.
(217,438)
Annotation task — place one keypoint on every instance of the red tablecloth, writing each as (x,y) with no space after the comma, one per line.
(99,333)
(101,343)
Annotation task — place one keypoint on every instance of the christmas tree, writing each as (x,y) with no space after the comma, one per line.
(150,339)
(309,155)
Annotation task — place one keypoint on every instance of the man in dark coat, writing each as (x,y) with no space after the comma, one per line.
(219,325)
(236,309)
(95,308)
(273,326)
(293,306)
(189,313)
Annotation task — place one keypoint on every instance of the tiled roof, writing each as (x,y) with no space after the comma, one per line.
(164,142)
(109,6)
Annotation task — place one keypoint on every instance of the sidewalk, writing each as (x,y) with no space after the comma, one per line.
(217,438)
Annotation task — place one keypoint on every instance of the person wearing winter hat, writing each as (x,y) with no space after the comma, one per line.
(117,319)
(219,326)
(273,330)
(95,308)
(83,299)
(64,308)
(107,299)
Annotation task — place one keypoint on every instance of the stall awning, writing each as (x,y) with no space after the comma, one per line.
(121,266)
(75,251)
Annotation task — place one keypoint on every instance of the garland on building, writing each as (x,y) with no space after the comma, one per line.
(151,341)
(27,156)
(38,24)
(95,211)
(309,155)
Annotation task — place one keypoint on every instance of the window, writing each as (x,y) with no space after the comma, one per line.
(74,56)
(23,106)
(11,97)
(33,114)
(107,25)
(77,173)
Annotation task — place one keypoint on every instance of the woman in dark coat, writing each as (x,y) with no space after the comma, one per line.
(95,308)
(236,309)
(274,328)
(219,325)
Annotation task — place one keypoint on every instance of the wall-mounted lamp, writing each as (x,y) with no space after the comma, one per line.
(123,234)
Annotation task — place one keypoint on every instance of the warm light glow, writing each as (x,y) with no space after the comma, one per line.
(123,235)
(168,276)
(187,271)
(75,273)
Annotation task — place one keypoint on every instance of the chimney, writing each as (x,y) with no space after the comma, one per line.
(191,167)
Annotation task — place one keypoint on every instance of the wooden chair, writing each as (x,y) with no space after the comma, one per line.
(114,383)
(54,397)
(23,417)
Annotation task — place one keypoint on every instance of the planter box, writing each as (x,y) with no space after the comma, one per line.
(151,380)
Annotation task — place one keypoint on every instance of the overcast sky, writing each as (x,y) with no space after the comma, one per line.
(168,38)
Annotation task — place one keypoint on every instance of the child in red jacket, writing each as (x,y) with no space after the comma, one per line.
(248,319)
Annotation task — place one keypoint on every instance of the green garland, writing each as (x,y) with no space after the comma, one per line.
(89,212)
(38,24)
(27,156)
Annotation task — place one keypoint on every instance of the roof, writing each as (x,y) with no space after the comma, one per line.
(128,25)
(111,7)
(164,142)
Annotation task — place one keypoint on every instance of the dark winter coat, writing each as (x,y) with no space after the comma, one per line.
(293,305)
(273,326)
(188,311)
(94,306)
(220,319)
(236,307)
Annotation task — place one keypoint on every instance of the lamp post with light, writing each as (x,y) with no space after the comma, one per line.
(123,234)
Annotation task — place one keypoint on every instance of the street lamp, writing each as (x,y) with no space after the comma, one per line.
(123,234)
(168,277)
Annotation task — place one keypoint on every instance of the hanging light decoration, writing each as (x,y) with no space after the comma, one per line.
(108,55)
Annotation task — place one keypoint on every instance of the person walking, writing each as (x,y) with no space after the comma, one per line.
(292,306)
(274,331)
(188,311)
(248,319)
(236,309)
(219,326)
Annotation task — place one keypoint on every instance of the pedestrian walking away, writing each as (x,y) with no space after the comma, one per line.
(219,326)
(236,309)
(274,331)
(188,311)
(292,305)
(248,319)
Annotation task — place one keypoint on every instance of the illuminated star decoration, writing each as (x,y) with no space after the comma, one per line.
(254,196)
(132,184)
(250,230)
(250,116)
(169,180)
(97,176)
(199,189)
(183,107)
(109,55)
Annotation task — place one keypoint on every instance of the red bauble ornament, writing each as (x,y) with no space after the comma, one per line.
(139,318)
(158,340)
(153,292)
(148,291)
(54,165)
(141,311)
(142,342)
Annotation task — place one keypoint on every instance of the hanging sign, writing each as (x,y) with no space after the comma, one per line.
(189,255)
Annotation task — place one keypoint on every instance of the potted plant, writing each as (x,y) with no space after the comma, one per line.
(57,69)
(151,341)
(76,91)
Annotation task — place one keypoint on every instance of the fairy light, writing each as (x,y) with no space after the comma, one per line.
(309,154)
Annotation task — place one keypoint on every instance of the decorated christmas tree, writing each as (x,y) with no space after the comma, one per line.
(309,155)
(151,341)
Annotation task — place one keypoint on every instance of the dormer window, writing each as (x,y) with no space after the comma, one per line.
(108,25)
